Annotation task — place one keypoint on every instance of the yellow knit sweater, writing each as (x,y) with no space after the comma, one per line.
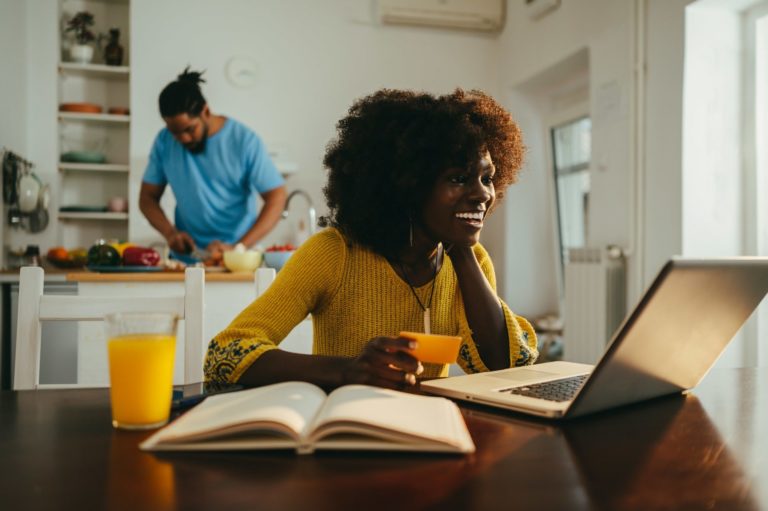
(354,295)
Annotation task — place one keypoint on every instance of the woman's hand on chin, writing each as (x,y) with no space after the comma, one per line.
(459,251)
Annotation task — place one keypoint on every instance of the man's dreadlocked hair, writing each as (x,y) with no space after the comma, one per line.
(183,96)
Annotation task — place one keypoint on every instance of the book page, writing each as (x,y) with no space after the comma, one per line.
(286,408)
(391,417)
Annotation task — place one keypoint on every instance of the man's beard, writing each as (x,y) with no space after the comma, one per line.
(199,147)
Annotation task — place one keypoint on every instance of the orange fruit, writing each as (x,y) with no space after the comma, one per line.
(58,254)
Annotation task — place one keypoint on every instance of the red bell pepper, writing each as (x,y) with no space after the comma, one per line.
(141,256)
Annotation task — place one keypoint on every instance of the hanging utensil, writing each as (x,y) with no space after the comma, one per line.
(10,176)
(38,220)
(14,217)
(29,192)
(45,197)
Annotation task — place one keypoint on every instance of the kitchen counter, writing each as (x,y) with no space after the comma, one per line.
(158,276)
(51,275)
(57,275)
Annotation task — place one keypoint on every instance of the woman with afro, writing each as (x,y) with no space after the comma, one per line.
(411,178)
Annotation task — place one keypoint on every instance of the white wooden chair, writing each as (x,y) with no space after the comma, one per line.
(262,279)
(34,307)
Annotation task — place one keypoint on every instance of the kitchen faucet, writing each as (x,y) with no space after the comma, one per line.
(310,209)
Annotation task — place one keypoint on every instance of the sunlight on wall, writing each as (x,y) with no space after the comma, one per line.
(711,134)
(761,160)
(724,161)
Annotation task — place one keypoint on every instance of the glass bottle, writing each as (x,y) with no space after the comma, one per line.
(113,51)
(32,256)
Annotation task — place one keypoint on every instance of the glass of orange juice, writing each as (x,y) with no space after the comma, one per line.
(141,349)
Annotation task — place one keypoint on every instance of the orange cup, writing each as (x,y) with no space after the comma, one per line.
(439,349)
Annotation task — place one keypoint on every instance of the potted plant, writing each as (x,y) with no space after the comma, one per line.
(81,51)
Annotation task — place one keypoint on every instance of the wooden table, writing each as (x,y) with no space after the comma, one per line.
(708,450)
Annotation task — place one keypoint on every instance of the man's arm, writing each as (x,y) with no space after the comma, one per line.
(149,204)
(274,204)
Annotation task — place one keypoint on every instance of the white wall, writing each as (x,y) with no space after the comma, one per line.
(712,156)
(660,176)
(721,197)
(635,51)
(13,94)
(536,54)
(12,80)
(313,59)
(29,103)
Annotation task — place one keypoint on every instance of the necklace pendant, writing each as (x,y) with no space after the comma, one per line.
(427,322)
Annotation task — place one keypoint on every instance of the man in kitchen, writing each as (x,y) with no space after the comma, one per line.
(216,166)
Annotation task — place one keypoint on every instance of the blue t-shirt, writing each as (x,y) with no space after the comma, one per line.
(215,190)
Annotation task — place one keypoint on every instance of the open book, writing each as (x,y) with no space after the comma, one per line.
(300,416)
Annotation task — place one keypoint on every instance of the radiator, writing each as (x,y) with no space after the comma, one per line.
(595,281)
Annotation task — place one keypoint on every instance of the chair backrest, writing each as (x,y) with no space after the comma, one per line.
(34,307)
(262,278)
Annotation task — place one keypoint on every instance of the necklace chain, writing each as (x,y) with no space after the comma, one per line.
(410,286)
(434,280)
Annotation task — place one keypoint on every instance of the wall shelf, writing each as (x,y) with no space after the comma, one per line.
(110,2)
(65,215)
(95,70)
(101,118)
(93,167)
(89,184)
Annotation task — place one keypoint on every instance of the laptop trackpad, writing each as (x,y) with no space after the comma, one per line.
(521,375)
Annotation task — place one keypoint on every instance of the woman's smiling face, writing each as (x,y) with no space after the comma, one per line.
(455,210)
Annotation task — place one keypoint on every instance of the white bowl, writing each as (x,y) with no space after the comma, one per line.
(242,261)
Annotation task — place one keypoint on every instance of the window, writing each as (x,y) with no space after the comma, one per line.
(571,148)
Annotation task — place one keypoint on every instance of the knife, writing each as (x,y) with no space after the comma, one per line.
(201,254)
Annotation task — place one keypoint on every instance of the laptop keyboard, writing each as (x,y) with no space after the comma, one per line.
(556,390)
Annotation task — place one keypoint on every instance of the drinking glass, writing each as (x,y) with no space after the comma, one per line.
(141,349)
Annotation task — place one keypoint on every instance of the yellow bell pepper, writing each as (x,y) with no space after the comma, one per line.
(120,247)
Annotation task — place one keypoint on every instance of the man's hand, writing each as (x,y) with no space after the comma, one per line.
(181,242)
(216,251)
(218,247)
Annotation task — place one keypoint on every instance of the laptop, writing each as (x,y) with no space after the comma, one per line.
(666,345)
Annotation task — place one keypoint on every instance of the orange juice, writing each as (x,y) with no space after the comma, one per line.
(141,376)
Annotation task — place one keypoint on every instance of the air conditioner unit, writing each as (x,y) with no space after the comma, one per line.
(462,14)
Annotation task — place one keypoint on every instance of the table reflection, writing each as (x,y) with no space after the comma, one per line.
(646,456)
(138,480)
